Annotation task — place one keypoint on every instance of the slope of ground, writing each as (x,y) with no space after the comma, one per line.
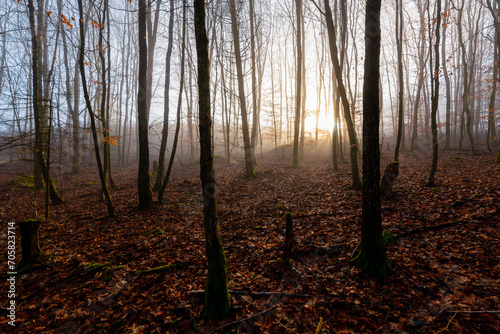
(96,279)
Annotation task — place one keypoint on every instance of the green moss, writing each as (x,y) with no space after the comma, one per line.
(389,238)
(285,261)
(27,181)
(220,158)
(477,196)
(103,229)
(159,232)
(90,183)
(31,220)
(217,297)
(153,232)
(280,206)
(257,227)
(106,269)
(162,269)
(372,259)
(435,190)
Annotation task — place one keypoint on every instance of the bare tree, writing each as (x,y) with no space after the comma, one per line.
(332,39)
(435,93)
(166,102)
(81,62)
(39,116)
(298,84)
(372,257)
(241,90)
(466,82)
(399,43)
(145,196)
(179,106)
(217,298)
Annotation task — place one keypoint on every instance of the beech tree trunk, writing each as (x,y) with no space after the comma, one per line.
(241,90)
(179,107)
(298,85)
(144,191)
(372,257)
(399,42)
(166,103)
(40,162)
(81,62)
(217,298)
(466,91)
(447,82)
(332,39)
(435,96)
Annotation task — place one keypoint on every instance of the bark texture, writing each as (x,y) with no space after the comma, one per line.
(372,258)
(217,298)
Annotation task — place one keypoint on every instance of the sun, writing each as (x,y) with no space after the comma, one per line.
(324,119)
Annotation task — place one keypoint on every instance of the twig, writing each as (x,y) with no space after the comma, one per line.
(320,214)
(288,329)
(263,293)
(355,250)
(476,312)
(448,325)
(243,320)
(430,228)
(485,293)
(318,329)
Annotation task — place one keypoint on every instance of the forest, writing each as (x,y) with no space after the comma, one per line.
(231,166)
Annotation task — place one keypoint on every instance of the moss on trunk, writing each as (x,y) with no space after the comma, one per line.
(372,259)
(217,298)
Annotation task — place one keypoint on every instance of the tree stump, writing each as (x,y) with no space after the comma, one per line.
(155,166)
(287,252)
(390,175)
(30,246)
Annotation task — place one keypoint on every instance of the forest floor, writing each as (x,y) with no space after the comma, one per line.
(96,278)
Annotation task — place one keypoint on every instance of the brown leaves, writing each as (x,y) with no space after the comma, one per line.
(452,269)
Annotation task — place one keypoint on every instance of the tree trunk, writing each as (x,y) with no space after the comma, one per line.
(73,108)
(111,209)
(144,191)
(491,130)
(372,257)
(399,42)
(40,162)
(166,102)
(152,29)
(241,90)
(466,92)
(217,298)
(298,85)
(179,107)
(30,245)
(255,111)
(435,95)
(356,180)
(447,82)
